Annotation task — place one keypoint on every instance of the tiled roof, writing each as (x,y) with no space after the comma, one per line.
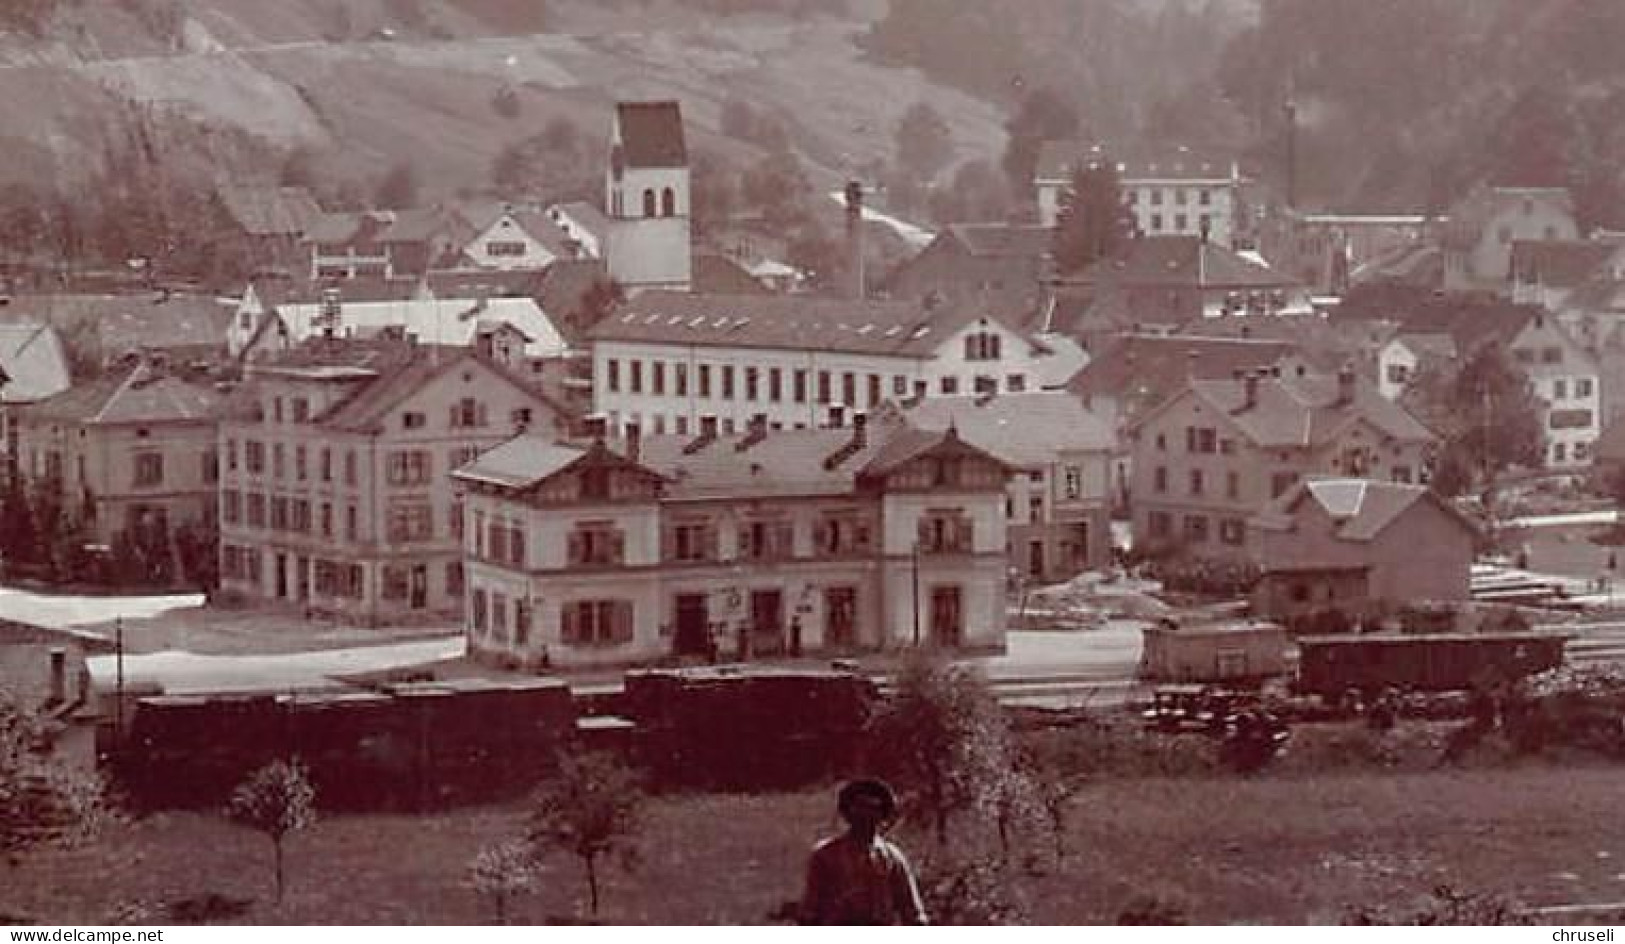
(1305,411)
(123,323)
(651,134)
(490,283)
(1362,508)
(1558,263)
(787,322)
(270,211)
(432,320)
(1159,366)
(33,362)
(521,461)
(586,216)
(784,463)
(1023,429)
(1469,217)
(1470,320)
(1184,262)
(715,274)
(339,227)
(1058,159)
(139,395)
(413,226)
(1003,239)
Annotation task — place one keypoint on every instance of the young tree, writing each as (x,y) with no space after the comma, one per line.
(598,302)
(1094,223)
(943,740)
(18,543)
(502,872)
(276,800)
(1485,414)
(924,144)
(592,809)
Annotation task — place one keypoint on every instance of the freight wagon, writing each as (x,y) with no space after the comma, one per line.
(1332,666)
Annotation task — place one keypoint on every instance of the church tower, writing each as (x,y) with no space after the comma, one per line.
(646,197)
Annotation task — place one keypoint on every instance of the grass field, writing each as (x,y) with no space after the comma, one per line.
(1282,848)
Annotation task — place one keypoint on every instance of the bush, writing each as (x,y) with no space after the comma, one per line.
(1153,909)
(1444,907)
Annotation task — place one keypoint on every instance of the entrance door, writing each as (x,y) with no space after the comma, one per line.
(947,616)
(420,586)
(767,621)
(693,632)
(1035,559)
(281,576)
(841,617)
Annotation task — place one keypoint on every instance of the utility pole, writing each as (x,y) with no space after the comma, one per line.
(118,684)
(916,570)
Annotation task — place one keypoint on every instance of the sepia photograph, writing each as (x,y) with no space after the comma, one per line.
(488,463)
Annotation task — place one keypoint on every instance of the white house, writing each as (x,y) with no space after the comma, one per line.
(516,239)
(669,358)
(1177,193)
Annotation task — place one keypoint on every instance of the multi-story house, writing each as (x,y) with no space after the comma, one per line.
(33,366)
(133,449)
(1565,375)
(1478,237)
(1215,454)
(666,359)
(812,540)
(270,221)
(383,244)
(510,238)
(274,316)
(1328,251)
(1166,281)
(648,200)
(335,492)
(1058,503)
(1178,193)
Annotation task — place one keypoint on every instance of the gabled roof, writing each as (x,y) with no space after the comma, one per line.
(585,215)
(1184,262)
(1001,240)
(1469,319)
(430,318)
(1362,508)
(1157,366)
(1022,429)
(521,462)
(1475,211)
(1558,263)
(488,283)
(123,323)
(139,395)
(651,134)
(1057,160)
(33,362)
(790,322)
(715,274)
(270,211)
(1305,412)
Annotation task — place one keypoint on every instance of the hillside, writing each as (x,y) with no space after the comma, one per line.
(231,87)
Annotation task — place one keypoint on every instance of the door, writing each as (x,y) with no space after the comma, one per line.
(841,617)
(767,621)
(947,616)
(693,632)
(420,586)
(281,576)
(1035,559)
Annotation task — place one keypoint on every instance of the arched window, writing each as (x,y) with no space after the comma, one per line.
(648,203)
(668,202)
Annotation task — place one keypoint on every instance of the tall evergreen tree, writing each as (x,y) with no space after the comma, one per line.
(1094,223)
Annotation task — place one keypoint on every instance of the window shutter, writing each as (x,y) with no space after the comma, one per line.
(623,621)
(668,544)
(568,623)
(821,537)
(923,532)
(963,539)
(479,414)
(860,536)
(617,547)
(743,550)
(454,417)
(575,548)
(784,539)
(516,540)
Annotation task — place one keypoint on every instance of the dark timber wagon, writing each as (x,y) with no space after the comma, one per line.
(1331,666)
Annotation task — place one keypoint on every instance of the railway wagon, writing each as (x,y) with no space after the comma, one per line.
(407,745)
(1331,666)
(1241,653)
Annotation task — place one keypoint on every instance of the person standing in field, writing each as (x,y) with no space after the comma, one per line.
(860,877)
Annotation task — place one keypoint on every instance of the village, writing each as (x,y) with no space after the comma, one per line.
(1158,482)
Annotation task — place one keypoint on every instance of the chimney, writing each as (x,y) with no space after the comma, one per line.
(1190,364)
(755,432)
(634,442)
(860,430)
(850,448)
(59,675)
(331,311)
(1249,387)
(595,426)
(1291,109)
(854,236)
(1345,385)
(708,434)
(837,415)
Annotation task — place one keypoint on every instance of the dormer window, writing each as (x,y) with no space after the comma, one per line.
(982,346)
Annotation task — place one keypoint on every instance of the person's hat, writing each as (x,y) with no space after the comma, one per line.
(868,787)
